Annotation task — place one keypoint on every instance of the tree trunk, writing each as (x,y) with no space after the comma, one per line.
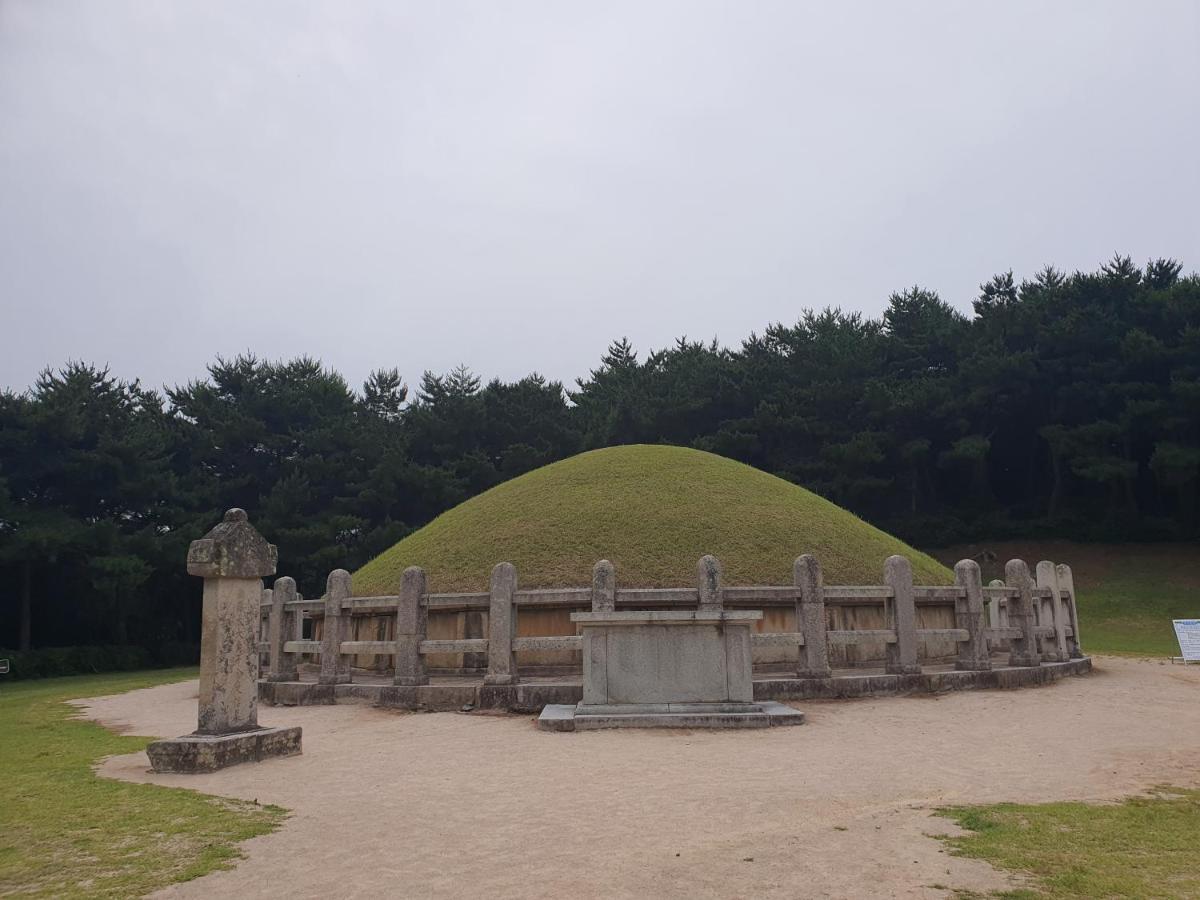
(1056,486)
(121,627)
(26,604)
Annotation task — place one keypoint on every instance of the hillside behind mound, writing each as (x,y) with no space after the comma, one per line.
(653,511)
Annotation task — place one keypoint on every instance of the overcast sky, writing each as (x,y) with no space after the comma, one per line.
(513,185)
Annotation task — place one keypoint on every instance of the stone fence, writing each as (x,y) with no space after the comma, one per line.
(1030,618)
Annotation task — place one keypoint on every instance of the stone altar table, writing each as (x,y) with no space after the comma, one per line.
(667,668)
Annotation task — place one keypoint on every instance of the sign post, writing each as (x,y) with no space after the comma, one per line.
(1187,631)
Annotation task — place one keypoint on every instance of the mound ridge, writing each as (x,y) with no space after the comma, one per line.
(653,511)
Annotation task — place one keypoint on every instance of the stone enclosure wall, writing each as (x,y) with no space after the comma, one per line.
(808,628)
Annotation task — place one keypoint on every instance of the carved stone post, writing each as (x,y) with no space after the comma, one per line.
(335,668)
(604,587)
(280,629)
(1047,577)
(1066,581)
(902,617)
(1020,614)
(810,618)
(968,613)
(708,582)
(412,618)
(232,559)
(502,626)
(1000,605)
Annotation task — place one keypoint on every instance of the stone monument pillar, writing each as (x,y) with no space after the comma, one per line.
(232,559)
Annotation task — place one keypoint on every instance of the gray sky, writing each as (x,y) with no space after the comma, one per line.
(513,185)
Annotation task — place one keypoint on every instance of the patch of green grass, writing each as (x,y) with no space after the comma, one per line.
(1127,593)
(653,511)
(64,832)
(1141,847)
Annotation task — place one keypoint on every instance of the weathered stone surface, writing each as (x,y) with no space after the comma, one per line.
(849,686)
(335,668)
(534,696)
(233,549)
(902,617)
(1066,581)
(229,655)
(604,587)
(666,656)
(1020,615)
(412,624)
(281,629)
(502,626)
(668,715)
(810,617)
(1056,644)
(708,582)
(969,616)
(196,753)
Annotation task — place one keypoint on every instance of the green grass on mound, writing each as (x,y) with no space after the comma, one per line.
(64,832)
(653,511)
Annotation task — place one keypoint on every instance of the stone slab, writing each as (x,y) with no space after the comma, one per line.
(195,753)
(583,717)
(534,696)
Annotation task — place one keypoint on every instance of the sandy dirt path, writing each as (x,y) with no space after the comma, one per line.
(388,804)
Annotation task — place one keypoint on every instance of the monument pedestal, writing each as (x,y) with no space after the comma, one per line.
(667,669)
(195,753)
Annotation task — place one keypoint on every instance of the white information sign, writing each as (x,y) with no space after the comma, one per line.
(1188,632)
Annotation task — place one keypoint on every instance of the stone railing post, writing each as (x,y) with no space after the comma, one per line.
(264,633)
(280,629)
(993,606)
(1020,614)
(1047,577)
(1000,606)
(968,613)
(810,618)
(708,582)
(335,668)
(901,617)
(232,559)
(412,624)
(502,626)
(1066,582)
(604,587)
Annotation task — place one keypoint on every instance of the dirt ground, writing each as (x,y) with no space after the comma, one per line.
(453,805)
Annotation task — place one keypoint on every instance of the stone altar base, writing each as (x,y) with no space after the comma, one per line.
(194,753)
(591,716)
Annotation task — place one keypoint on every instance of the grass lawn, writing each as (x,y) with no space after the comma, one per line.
(1128,593)
(66,833)
(1142,847)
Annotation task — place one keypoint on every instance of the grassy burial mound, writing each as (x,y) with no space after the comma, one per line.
(652,510)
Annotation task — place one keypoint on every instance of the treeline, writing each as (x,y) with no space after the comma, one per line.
(1067,405)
